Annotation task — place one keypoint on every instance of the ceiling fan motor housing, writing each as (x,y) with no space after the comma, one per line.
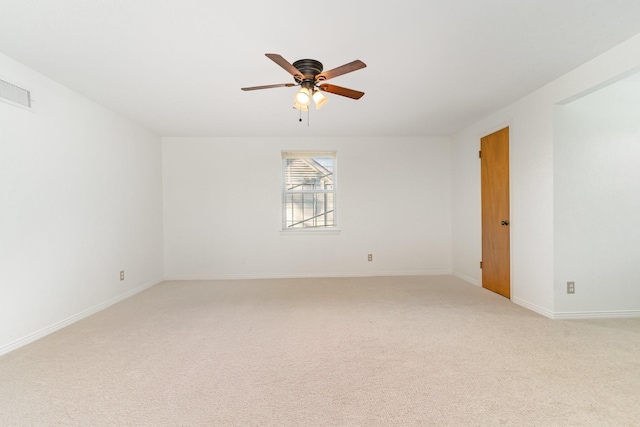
(309,68)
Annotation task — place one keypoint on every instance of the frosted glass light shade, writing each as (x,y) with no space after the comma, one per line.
(320,100)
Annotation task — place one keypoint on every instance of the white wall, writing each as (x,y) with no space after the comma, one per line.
(532,187)
(80,197)
(597,201)
(222,209)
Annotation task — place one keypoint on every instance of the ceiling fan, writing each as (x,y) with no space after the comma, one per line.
(308,74)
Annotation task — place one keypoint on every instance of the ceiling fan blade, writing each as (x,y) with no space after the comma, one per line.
(269,86)
(349,93)
(284,64)
(344,69)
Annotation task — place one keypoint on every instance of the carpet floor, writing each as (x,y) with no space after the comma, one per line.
(375,351)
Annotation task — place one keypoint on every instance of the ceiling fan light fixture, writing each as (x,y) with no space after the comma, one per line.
(303,97)
(319,99)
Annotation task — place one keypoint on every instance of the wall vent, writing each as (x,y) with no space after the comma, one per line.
(14,95)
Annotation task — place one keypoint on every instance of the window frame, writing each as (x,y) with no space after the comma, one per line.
(297,154)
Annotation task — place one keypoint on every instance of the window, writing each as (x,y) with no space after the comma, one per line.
(309,190)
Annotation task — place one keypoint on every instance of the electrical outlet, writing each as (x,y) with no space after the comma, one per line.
(370,257)
(571,287)
(122,275)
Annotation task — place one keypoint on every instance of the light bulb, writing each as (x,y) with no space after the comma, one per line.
(303,97)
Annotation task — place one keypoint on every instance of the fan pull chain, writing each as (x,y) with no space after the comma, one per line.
(300,119)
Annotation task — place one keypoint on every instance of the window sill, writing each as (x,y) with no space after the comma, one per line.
(308,231)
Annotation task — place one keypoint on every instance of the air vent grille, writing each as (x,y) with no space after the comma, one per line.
(14,94)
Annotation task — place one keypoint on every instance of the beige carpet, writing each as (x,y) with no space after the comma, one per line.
(390,351)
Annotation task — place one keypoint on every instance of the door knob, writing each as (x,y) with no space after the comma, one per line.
(504,222)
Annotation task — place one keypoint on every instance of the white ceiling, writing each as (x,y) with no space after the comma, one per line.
(433,66)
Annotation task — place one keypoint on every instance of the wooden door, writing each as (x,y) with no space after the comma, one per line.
(496,262)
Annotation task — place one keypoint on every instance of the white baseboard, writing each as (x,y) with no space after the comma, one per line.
(466,278)
(68,321)
(307,275)
(612,314)
(533,307)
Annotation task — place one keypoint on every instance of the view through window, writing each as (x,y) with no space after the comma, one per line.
(309,190)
